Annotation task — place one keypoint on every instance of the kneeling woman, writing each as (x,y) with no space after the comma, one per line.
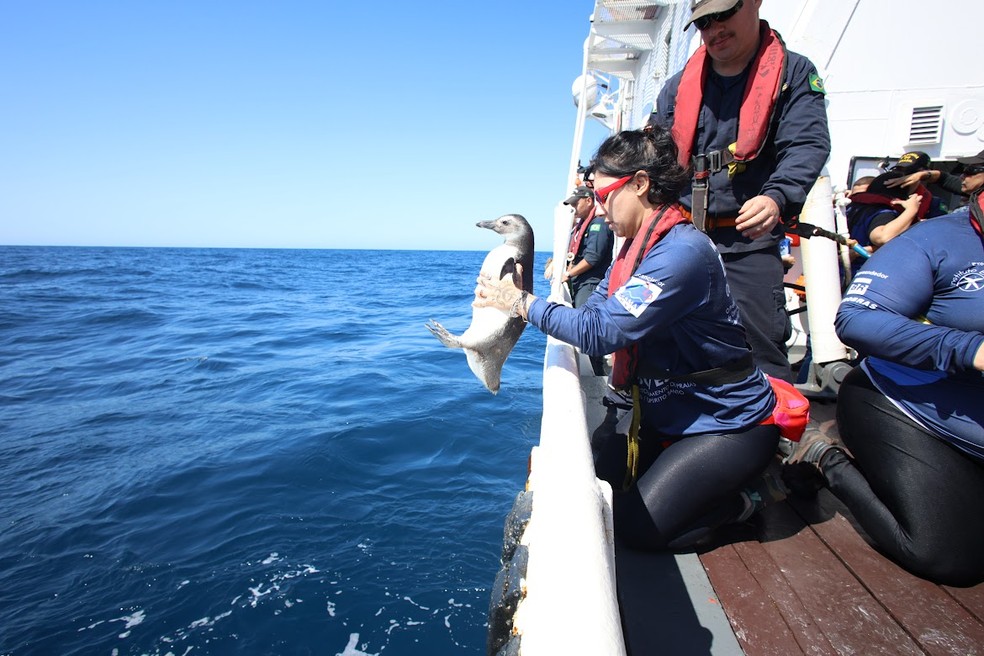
(912,413)
(666,313)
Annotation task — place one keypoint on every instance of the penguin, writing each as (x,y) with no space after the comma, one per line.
(493,333)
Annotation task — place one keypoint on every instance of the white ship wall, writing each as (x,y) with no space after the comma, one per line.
(883,59)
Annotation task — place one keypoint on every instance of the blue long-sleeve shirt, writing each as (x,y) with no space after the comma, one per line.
(796,149)
(678,309)
(935,270)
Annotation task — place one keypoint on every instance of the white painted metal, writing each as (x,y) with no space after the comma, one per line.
(570,605)
(820,268)
(886,64)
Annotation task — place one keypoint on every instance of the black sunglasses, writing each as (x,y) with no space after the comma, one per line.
(973,169)
(704,22)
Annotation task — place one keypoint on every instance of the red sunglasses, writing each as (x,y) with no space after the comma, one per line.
(601,195)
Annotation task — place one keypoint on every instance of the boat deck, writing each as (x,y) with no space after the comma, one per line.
(798,578)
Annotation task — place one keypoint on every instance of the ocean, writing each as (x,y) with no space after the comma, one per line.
(224,451)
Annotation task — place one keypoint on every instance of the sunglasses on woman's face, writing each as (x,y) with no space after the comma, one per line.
(704,22)
(601,195)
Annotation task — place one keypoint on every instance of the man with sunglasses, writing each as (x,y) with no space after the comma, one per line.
(749,117)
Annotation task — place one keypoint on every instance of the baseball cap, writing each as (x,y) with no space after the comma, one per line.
(580,192)
(976,160)
(701,8)
(912,162)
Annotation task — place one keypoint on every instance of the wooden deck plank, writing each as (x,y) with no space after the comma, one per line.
(840,606)
(755,619)
(972,599)
(809,638)
(927,612)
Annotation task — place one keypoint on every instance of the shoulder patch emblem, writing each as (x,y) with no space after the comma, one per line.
(595,227)
(816,84)
(637,294)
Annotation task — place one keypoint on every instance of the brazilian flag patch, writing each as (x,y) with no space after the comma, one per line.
(816,83)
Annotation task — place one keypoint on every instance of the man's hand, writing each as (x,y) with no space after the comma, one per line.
(757,217)
(908,182)
(911,203)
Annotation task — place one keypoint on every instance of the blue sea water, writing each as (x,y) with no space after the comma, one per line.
(220,451)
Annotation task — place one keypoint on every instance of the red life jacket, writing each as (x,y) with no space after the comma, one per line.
(578,235)
(757,105)
(654,228)
(868,198)
(977,211)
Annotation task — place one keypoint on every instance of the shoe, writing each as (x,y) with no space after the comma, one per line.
(801,469)
(764,491)
(810,448)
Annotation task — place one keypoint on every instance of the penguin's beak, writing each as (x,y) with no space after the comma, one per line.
(486,224)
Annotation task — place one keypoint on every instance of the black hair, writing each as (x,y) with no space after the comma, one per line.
(651,150)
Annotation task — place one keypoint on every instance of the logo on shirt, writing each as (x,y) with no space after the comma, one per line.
(970,281)
(859,286)
(595,227)
(637,294)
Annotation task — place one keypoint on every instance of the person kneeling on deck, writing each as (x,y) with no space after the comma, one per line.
(703,409)
(911,417)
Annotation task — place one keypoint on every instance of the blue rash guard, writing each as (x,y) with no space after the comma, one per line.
(678,309)
(935,270)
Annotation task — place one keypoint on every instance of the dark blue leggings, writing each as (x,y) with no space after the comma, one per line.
(919,498)
(687,486)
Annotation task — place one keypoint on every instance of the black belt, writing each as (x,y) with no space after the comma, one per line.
(732,372)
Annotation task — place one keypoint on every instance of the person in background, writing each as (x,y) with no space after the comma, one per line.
(968,177)
(767,168)
(911,465)
(860,185)
(910,164)
(590,247)
(879,214)
(589,254)
(702,429)
(971,174)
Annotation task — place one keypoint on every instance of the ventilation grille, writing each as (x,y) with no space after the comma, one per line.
(926,125)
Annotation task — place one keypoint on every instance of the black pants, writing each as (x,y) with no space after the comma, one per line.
(755,281)
(687,487)
(919,498)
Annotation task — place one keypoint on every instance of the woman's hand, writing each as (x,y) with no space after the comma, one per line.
(503,294)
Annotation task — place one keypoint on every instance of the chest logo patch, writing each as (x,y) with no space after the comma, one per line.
(971,281)
(637,294)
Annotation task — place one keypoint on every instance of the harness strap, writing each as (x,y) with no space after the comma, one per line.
(632,442)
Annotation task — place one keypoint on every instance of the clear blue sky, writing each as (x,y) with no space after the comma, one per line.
(306,124)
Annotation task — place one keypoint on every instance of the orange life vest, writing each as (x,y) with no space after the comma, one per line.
(757,105)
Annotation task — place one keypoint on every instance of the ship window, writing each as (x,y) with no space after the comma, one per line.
(926,125)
